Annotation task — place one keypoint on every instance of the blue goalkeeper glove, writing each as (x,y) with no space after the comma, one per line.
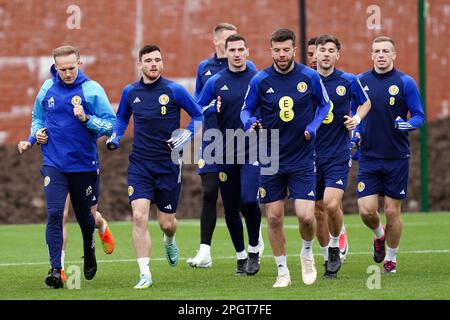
(402,125)
(113,142)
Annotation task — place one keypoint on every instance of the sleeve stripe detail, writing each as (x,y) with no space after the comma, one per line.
(182,138)
(102,124)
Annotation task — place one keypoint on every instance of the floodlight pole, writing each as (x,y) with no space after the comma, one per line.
(422,10)
(302,17)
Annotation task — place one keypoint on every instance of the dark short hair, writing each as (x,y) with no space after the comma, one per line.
(383,39)
(233,38)
(325,38)
(282,35)
(312,41)
(147,49)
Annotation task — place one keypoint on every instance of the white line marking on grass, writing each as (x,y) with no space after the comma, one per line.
(295,226)
(216,258)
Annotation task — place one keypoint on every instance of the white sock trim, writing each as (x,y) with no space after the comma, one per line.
(144,265)
(169,240)
(253,249)
(241,255)
(281,262)
(379,231)
(307,248)
(391,254)
(63,255)
(103,228)
(334,241)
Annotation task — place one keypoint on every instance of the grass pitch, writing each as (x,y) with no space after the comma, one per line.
(423,265)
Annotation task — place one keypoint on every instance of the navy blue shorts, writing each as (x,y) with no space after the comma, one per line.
(332,173)
(383,177)
(301,184)
(157,181)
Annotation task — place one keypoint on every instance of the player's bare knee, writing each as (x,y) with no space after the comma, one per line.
(140,217)
(168,226)
(365,210)
(392,214)
(332,208)
(275,221)
(307,220)
(367,214)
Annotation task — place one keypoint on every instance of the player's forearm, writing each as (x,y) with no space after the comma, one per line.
(417,120)
(195,123)
(363,109)
(186,135)
(101,126)
(321,114)
(210,109)
(247,118)
(32,140)
(120,126)
(37,120)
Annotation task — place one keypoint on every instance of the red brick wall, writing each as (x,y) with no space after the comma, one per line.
(112,31)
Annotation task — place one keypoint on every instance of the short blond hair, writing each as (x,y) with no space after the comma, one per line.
(224,26)
(66,51)
(384,39)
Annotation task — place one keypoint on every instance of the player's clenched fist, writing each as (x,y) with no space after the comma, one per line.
(23,146)
(78,111)
(351,122)
(41,136)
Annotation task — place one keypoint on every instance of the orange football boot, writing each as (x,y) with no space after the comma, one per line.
(107,240)
(63,276)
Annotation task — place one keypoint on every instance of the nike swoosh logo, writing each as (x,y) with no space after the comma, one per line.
(343,252)
(170,260)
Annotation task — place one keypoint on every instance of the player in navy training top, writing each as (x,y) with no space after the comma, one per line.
(207,169)
(322,232)
(333,148)
(293,102)
(154,171)
(384,162)
(310,53)
(69,113)
(222,98)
